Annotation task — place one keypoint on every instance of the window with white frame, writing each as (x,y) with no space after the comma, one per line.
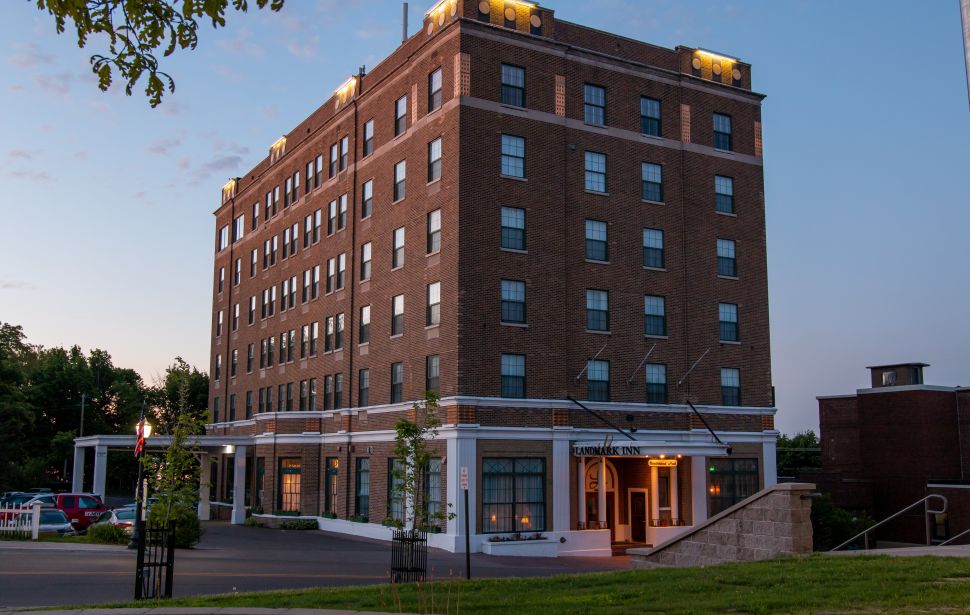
(727,264)
(656,383)
(653,248)
(730,386)
(513,228)
(513,156)
(397,315)
(595,172)
(724,194)
(598,380)
(597,247)
(397,252)
(365,261)
(434,160)
(728,319)
(597,310)
(434,90)
(513,376)
(400,175)
(594,104)
(654,315)
(434,305)
(513,301)
(651,182)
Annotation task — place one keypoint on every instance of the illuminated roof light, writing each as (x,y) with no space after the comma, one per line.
(347,86)
(229,185)
(715,56)
(662,456)
(279,143)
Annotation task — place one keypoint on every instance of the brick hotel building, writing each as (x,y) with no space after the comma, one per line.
(510,210)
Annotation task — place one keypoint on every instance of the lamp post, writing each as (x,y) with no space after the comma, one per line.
(143,431)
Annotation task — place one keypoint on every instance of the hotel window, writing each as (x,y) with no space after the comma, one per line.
(598,380)
(432,373)
(264,405)
(332,217)
(296,187)
(513,85)
(284,293)
(513,228)
(596,243)
(595,172)
(315,289)
(653,248)
(253,262)
(329,326)
(215,410)
(268,208)
(338,339)
(434,90)
(250,357)
(368,138)
(400,175)
(722,132)
(255,217)
(219,323)
(656,383)
(363,387)
(342,213)
(283,348)
(287,192)
(308,182)
(732,480)
(294,238)
(237,273)
(650,116)
(223,238)
(286,243)
(364,333)
(513,376)
(400,115)
(513,495)
(397,253)
(267,248)
(432,491)
(275,250)
(654,315)
(727,314)
(397,382)
(291,348)
(594,105)
(303,395)
(281,398)
(314,338)
(332,169)
(270,350)
(235,317)
(730,386)
(252,309)
(434,305)
(232,408)
(328,392)
(307,231)
(597,310)
(338,391)
(513,301)
(362,505)
(395,482)
(724,191)
(727,264)
(318,171)
(240,227)
(513,156)
(234,362)
(249,404)
(366,198)
(218,369)
(288,495)
(276,199)
(289,396)
(262,353)
(222,278)
(304,340)
(434,160)
(331,274)
(317,224)
(365,256)
(312,396)
(434,231)
(397,315)
(651,182)
(344,152)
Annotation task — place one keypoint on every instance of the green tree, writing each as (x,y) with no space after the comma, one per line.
(136,31)
(799,452)
(16,413)
(185,389)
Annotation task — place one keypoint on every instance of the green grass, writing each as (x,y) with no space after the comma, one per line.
(803,585)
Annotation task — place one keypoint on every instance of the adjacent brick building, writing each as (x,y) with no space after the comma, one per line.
(891,444)
(511,211)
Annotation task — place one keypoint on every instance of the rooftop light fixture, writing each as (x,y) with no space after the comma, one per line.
(716,56)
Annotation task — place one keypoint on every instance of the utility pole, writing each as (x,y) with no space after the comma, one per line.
(83,397)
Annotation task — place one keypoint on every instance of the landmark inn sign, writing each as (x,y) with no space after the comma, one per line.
(647,448)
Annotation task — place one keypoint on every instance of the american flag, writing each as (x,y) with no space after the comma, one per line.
(140,443)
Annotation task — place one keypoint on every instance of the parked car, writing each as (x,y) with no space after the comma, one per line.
(81,509)
(52,521)
(15,498)
(119,517)
(45,499)
(148,504)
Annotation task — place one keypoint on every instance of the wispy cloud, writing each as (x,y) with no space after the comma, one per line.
(28,55)
(58,85)
(34,176)
(220,145)
(373,31)
(20,153)
(226,72)
(242,44)
(305,50)
(16,285)
(269,112)
(163,146)
(221,164)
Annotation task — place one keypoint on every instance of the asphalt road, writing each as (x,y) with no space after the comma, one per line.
(239,559)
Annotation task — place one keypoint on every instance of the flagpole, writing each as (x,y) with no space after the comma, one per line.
(139,445)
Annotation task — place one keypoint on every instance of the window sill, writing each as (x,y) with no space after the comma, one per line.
(398,268)
(400,134)
(596,262)
(515,107)
(430,254)
(512,177)
(600,126)
(433,111)
(397,335)
(652,137)
(597,332)
(649,202)
(661,269)
(363,344)
(728,277)
(597,193)
(433,181)
(724,151)
(730,343)
(656,337)
(519,325)
(398,201)
(514,251)
(726,213)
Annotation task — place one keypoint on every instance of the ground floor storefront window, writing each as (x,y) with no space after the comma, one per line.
(288,494)
(732,480)
(513,495)
(363,488)
(331,470)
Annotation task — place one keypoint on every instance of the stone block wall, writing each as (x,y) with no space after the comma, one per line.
(773,522)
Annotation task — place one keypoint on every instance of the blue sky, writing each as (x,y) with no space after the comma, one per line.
(107,235)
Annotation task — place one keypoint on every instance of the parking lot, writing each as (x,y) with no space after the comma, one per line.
(238,559)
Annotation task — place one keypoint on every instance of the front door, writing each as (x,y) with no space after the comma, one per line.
(638,516)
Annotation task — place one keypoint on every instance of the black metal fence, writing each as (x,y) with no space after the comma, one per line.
(156,561)
(409,556)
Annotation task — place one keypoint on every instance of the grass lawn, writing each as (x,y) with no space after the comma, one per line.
(812,584)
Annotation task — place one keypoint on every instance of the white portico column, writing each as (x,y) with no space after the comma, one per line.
(654,495)
(581,474)
(698,489)
(560,484)
(239,487)
(602,494)
(461,452)
(205,482)
(769,453)
(77,474)
(100,469)
(674,495)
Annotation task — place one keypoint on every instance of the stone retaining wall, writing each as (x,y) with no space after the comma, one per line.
(773,522)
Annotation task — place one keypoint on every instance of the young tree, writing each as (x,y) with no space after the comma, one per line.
(413,456)
(799,452)
(137,30)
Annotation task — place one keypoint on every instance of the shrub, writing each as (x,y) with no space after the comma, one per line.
(359,519)
(328,515)
(299,524)
(107,534)
(188,530)
(832,525)
(253,522)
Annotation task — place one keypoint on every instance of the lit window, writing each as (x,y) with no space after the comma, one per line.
(513,156)
(594,105)
(595,172)
(513,495)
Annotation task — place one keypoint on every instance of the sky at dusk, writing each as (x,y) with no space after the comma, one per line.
(107,234)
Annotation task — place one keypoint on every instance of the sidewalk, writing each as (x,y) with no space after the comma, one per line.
(948,551)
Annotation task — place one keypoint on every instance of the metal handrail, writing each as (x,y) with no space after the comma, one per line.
(949,540)
(927,512)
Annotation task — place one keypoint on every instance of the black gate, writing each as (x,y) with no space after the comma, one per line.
(156,561)
(409,556)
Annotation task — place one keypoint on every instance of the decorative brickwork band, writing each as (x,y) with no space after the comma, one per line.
(464,69)
(560,418)
(685,123)
(696,422)
(767,423)
(561,95)
(757,139)
(414,103)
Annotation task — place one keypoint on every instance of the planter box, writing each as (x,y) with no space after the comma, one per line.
(522,548)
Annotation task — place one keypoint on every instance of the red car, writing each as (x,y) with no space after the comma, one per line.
(81,509)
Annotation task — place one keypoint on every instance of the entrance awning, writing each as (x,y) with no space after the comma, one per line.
(648,448)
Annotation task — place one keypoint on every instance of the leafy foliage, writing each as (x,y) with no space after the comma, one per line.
(107,534)
(137,30)
(299,524)
(799,452)
(831,525)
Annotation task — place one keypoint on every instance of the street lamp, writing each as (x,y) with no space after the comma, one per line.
(143,431)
